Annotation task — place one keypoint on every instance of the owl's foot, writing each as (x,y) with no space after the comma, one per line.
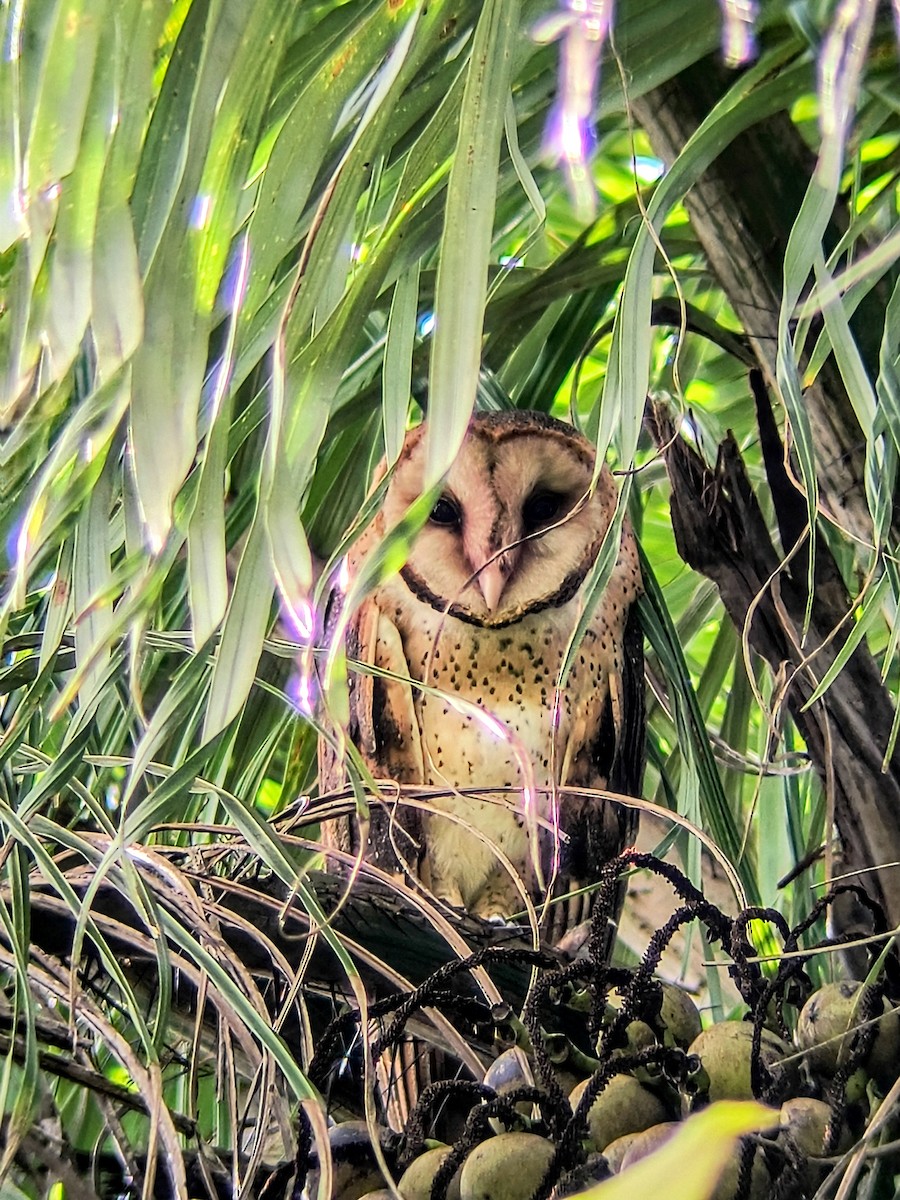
(489,912)
(500,921)
(449,895)
(497,901)
(454,899)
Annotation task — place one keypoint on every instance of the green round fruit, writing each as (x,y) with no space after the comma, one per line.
(415,1182)
(806,1122)
(679,1016)
(615,1152)
(509,1166)
(624,1106)
(724,1051)
(826,1029)
(581,1178)
(760,1179)
(646,1142)
(676,1023)
(638,1036)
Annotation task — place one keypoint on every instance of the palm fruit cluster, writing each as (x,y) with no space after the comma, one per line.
(604,1064)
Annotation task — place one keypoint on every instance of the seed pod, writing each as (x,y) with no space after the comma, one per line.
(415,1182)
(807,1122)
(760,1178)
(679,1017)
(615,1152)
(827,1026)
(624,1106)
(646,1142)
(675,1023)
(581,1178)
(509,1166)
(724,1051)
(638,1036)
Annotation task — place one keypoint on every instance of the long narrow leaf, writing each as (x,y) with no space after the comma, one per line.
(468,229)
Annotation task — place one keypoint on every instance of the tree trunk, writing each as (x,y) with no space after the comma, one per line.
(720,531)
(742,211)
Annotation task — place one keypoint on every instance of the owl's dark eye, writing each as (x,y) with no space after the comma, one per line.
(445,513)
(540,509)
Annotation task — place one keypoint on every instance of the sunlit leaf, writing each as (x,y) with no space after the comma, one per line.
(695,1156)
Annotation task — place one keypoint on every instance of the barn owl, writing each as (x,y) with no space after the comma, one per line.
(469,638)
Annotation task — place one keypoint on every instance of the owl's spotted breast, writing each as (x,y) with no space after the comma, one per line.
(494,717)
(480,621)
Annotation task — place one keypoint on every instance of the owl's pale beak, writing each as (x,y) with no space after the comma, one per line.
(492,579)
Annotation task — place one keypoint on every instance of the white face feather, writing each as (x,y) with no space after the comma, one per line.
(517,518)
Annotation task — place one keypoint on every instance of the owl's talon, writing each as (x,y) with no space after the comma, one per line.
(452,897)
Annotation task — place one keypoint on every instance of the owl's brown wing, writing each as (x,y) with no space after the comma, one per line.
(384,728)
(626,774)
(612,759)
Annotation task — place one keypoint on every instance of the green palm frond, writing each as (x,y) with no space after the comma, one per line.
(241,243)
